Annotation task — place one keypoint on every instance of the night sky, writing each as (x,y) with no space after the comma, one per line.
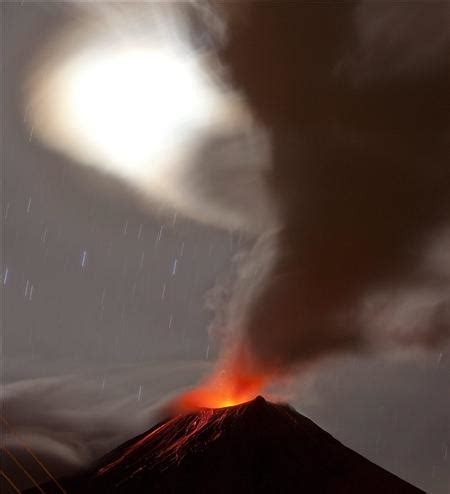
(105,313)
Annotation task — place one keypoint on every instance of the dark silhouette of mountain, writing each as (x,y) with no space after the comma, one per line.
(254,447)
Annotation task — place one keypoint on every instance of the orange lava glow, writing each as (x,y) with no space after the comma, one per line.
(223,389)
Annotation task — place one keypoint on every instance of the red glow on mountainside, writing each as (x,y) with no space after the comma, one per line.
(223,389)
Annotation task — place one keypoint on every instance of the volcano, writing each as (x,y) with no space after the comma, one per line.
(254,447)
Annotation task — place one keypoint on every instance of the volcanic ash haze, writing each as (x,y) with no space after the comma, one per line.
(255,447)
(326,142)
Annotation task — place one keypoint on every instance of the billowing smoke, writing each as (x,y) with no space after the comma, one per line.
(319,130)
(354,101)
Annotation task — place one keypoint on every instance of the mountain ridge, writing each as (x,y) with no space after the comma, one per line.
(254,447)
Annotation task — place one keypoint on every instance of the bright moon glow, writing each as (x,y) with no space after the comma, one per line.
(132,105)
(145,108)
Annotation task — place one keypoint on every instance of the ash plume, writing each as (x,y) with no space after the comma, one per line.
(360,172)
(329,150)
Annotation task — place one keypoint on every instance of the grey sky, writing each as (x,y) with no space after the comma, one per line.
(105,301)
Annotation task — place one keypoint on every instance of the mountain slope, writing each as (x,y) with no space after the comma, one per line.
(255,447)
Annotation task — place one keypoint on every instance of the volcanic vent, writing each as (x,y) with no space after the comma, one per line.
(254,447)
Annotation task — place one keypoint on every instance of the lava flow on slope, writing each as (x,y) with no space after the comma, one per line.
(254,447)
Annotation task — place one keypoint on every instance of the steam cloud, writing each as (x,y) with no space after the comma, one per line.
(67,423)
(329,145)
